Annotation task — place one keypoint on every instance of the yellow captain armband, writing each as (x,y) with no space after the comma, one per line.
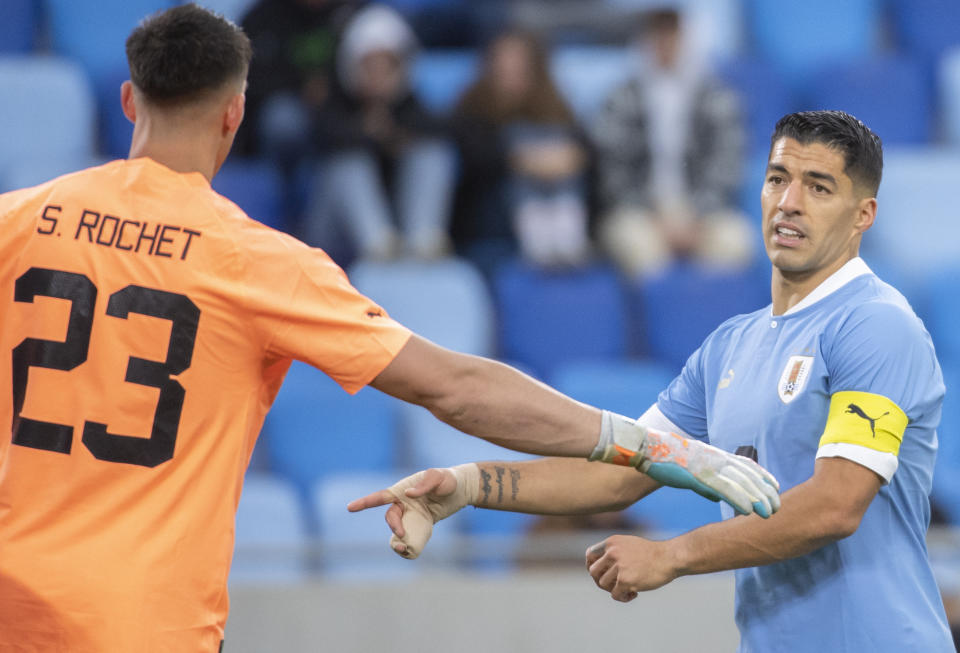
(865,419)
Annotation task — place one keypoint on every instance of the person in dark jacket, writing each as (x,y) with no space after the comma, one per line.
(386,170)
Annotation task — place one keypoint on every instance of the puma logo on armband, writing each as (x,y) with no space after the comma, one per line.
(856,410)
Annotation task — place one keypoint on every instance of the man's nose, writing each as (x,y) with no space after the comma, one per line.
(791,202)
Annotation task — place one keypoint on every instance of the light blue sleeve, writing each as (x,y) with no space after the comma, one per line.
(882,348)
(684,401)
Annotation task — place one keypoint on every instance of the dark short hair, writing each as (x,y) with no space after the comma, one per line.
(183,53)
(861,149)
(659,20)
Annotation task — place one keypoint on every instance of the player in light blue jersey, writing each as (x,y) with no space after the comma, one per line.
(834,387)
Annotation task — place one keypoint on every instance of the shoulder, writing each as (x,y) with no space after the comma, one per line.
(877,330)
(268,253)
(879,310)
(25,198)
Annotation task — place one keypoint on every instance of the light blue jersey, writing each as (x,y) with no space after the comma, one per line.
(762,383)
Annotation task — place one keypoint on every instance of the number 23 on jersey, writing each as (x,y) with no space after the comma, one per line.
(72,352)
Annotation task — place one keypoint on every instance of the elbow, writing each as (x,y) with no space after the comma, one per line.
(841,523)
(451,396)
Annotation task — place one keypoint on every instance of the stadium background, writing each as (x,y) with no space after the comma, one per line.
(307,574)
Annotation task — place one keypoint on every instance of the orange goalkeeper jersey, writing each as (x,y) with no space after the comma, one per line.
(147,324)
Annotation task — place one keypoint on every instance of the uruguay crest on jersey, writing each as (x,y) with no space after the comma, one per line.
(794,377)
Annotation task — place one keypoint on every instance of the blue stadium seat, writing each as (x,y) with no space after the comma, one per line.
(354,546)
(271,533)
(627,387)
(587,75)
(19,20)
(431,443)
(440,76)
(891,94)
(315,429)
(943,313)
(99,45)
(116,131)
(686,302)
(553,317)
(99,48)
(926,27)
(444,301)
(765,97)
(797,36)
(912,217)
(256,187)
(949,85)
(47,114)
(946,476)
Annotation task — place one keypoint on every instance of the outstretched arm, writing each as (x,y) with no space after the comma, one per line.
(497,403)
(826,508)
(544,486)
(490,400)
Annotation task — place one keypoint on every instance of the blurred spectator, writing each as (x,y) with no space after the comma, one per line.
(294,43)
(522,158)
(375,140)
(669,155)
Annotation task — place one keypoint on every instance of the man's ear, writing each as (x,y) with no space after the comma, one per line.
(866,214)
(126,101)
(233,116)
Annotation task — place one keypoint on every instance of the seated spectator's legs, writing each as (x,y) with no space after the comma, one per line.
(424,187)
(550,222)
(548,205)
(632,239)
(728,240)
(348,196)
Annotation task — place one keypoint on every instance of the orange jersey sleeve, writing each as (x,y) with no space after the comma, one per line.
(147,325)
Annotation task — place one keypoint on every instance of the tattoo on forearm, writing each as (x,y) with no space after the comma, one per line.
(500,471)
(485,487)
(514,483)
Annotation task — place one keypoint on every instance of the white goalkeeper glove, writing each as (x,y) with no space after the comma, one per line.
(677,461)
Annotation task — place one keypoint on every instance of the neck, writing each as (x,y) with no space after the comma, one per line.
(790,288)
(177,145)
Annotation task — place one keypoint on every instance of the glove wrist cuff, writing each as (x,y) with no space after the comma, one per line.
(622,441)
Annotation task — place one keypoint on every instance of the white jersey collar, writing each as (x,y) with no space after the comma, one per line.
(852,269)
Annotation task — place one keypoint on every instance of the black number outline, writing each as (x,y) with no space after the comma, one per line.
(67,355)
(51,354)
(159,447)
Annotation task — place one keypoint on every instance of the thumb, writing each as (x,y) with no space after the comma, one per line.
(440,482)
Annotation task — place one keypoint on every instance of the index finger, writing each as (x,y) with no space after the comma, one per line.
(759,469)
(596,552)
(381,498)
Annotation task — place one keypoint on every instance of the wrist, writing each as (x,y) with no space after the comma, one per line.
(622,441)
(678,553)
(468,481)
